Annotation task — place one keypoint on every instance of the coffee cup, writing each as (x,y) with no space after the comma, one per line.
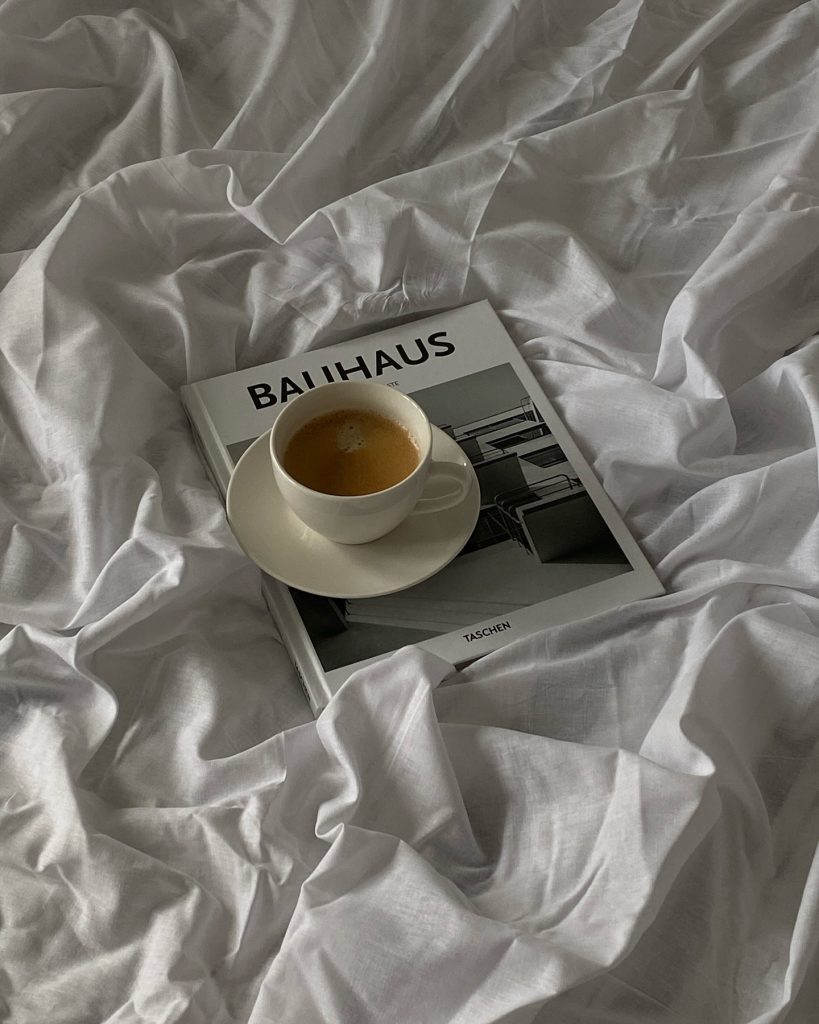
(373,444)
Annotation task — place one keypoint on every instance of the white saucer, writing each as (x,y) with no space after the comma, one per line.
(279,542)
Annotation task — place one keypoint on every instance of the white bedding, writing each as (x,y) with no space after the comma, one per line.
(615,821)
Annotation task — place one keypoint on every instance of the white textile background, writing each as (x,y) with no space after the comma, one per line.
(615,821)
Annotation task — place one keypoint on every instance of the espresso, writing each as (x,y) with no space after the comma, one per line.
(350,451)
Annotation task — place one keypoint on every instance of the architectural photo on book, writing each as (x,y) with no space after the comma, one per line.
(548,546)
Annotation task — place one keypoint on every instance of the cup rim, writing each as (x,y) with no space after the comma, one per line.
(325,495)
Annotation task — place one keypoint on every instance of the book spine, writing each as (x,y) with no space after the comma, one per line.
(308,671)
(211,450)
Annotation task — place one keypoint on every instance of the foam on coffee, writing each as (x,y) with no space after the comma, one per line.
(350,451)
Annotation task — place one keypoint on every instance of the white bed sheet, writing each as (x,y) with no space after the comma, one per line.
(615,821)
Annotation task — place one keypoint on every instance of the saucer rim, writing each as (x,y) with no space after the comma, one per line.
(465,534)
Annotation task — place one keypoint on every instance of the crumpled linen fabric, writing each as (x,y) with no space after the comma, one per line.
(612,821)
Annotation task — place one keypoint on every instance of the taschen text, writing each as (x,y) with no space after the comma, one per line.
(496,627)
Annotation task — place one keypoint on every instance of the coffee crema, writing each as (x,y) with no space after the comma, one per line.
(351,451)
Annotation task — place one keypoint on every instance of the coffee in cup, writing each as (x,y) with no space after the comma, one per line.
(351,451)
(352,459)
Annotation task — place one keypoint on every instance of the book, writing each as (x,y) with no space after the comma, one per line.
(549,546)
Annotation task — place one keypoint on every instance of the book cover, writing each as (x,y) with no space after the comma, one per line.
(549,546)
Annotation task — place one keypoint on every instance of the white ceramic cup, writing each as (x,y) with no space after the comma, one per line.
(356,519)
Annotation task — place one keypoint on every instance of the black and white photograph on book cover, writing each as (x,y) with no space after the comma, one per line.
(538,536)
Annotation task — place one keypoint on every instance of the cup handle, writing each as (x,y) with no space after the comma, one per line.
(461,479)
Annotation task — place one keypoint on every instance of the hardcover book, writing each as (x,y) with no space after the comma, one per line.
(549,546)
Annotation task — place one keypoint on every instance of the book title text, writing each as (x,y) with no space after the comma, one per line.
(437,345)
